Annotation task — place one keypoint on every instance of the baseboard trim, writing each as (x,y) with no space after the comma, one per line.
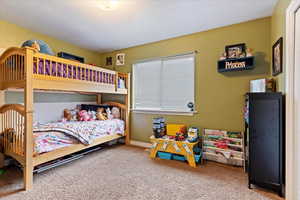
(140,144)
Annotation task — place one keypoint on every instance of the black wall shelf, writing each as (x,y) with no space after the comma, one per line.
(236,64)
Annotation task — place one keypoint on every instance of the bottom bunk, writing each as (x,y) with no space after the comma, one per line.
(54,140)
(50,141)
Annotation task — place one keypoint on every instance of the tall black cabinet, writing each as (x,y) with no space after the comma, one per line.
(266,167)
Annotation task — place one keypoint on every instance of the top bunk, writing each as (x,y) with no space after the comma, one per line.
(25,67)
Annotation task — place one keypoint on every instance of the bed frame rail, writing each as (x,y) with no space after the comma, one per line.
(12,71)
(12,131)
(124,115)
(46,72)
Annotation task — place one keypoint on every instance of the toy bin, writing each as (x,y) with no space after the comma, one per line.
(197,158)
(164,155)
(179,157)
(182,158)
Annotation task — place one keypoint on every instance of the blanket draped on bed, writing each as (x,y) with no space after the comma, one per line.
(52,136)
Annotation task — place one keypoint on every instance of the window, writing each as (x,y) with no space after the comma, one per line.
(164,85)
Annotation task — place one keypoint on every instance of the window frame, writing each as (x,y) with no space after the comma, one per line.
(162,111)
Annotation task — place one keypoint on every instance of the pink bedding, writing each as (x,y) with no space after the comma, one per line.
(52,136)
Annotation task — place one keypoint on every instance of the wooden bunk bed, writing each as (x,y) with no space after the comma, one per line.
(26,69)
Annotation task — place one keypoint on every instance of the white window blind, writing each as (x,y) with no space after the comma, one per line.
(165,84)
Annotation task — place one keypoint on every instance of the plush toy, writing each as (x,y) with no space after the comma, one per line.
(39,45)
(115,113)
(100,114)
(67,115)
(109,115)
(92,115)
(84,116)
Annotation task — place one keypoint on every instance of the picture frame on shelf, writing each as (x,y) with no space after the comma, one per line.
(236,51)
(277,57)
(120,59)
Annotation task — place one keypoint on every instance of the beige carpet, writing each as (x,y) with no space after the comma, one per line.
(126,173)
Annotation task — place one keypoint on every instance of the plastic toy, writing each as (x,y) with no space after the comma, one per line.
(193,134)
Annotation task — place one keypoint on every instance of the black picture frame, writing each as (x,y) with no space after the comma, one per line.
(109,61)
(235,51)
(277,57)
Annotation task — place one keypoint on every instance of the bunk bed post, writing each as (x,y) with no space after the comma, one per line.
(99,98)
(28,101)
(127,103)
(2,98)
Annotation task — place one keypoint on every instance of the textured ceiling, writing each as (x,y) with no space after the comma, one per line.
(133,22)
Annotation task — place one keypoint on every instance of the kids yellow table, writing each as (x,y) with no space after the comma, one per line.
(183,148)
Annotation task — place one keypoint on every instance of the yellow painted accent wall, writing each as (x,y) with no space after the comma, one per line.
(219,96)
(277,31)
(13,35)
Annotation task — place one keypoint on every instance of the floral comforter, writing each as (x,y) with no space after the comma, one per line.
(51,136)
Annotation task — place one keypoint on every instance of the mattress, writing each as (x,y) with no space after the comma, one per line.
(52,136)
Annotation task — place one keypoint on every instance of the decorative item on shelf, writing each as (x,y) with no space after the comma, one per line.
(236,51)
(70,57)
(263,85)
(223,56)
(249,52)
(108,61)
(277,53)
(120,59)
(158,127)
(39,45)
(235,58)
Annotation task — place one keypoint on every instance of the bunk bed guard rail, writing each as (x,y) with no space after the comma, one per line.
(12,130)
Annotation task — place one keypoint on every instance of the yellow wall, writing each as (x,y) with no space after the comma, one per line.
(219,96)
(13,35)
(277,31)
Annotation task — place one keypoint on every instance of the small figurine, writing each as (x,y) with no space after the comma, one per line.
(249,52)
(193,134)
(223,56)
(180,136)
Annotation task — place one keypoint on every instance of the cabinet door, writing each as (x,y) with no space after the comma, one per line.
(264,139)
(293,178)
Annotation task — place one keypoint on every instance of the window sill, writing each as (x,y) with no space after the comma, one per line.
(164,112)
